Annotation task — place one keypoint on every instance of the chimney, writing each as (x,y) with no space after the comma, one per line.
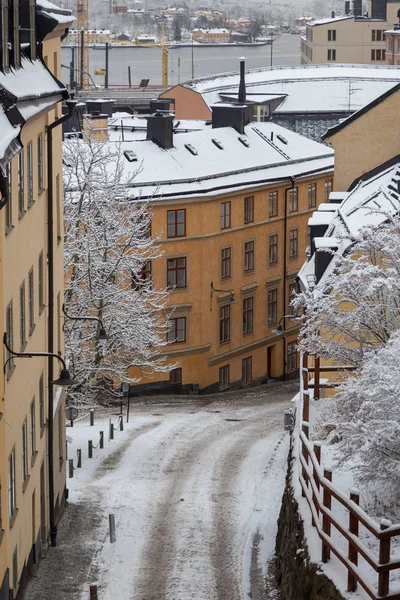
(347,7)
(103,106)
(333,14)
(357,8)
(159,104)
(230,115)
(242,83)
(378,9)
(95,127)
(160,129)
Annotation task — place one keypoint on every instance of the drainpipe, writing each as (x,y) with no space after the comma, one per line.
(292,180)
(71,104)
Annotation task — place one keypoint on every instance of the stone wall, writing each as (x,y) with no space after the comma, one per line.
(298,578)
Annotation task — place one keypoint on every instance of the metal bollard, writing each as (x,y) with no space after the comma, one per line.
(71,467)
(93,592)
(91,417)
(79,463)
(121,423)
(111,431)
(113,537)
(90,449)
(101,439)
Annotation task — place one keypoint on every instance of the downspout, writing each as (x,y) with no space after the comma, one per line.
(292,180)
(71,104)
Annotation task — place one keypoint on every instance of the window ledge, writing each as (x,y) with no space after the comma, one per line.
(41,309)
(13,518)
(25,483)
(33,459)
(10,371)
(1,535)
(9,229)
(32,329)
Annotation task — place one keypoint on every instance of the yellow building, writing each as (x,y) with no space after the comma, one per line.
(351,38)
(230,205)
(32,446)
(209,36)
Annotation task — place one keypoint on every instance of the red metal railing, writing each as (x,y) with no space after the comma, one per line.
(318,490)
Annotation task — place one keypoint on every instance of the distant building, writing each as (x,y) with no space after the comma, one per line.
(351,37)
(393,45)
(208,36)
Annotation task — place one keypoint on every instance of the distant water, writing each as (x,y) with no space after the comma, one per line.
(145,63)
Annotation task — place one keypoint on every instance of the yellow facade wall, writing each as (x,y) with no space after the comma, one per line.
(357,151)
(202,355)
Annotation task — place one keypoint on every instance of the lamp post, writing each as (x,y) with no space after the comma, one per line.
(281,331)
(101,336)
(64,379)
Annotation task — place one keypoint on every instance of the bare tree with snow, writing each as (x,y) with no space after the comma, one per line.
(357,306)
(108,250)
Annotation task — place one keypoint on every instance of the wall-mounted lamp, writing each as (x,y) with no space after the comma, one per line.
(213,289)
(101,336)
(64,379)
(279,329)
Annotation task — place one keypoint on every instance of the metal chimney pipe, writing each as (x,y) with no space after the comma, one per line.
(242,84)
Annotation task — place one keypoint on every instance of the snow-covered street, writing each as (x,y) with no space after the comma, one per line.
(195,489)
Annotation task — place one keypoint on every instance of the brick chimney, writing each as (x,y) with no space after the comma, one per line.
(95,127)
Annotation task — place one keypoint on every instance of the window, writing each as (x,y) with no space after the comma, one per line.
(226,263)
(249,257)
(176,223)
(273,204)
(16,44)
(176,272)
(143,277)
(224,377)
(41,405)
(41,282)
(21,184)
(312,195)
(247,370)
(177,330)
(30,173)
(247,315)
(40,162)
(32,13)
(12,497)
(272,306)
(378,35)
(291,357)
(225,215)
(378,55)
(24,445)
(293,243)
(4,36)
(224,324)
(331,35)
(33,429)
(8,215)
(328,189)
(31,293)
(273,249)
(175,376)
(22,322)
(249,209)
(15,569)
(59,210)
(293,200)
(331,55)
(9,332)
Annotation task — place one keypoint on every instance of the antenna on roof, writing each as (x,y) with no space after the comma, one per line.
(242,83)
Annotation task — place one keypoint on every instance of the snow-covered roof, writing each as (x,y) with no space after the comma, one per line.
(197,165)
(308,88)
(367,204)
(125,127)
(32,80)
(61,15)
(8,132)
(331,20)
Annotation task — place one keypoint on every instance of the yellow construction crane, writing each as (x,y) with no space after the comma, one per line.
(164,59)
(82,18)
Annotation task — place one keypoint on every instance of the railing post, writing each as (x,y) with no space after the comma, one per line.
(90,449)
(384,557)
(111,431)
(91,417)
(70,467)
(317,452)
(306,397)
(317,364)
(121,423)
(326,524)
(93,592)
(79,460)
(353,554)
(306,430)
(101,440)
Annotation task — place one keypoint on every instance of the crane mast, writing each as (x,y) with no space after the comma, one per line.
(82,11)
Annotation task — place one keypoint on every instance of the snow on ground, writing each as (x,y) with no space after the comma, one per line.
(196,492)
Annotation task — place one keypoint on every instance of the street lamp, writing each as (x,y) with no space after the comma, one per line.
(64,379)
(101,336)
(213,289)
(279,329)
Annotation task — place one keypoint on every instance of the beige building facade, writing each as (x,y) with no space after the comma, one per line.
(348,39)
(32,444)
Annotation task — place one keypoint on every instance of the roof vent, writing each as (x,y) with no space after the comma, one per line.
(191,149)
(244,142)
(282,139)
(130,155)
(217,143)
